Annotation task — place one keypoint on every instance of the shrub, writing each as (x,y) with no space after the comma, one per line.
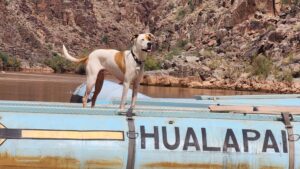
(191,5)
(151,64)
(297,27)
(3,58)
(104,39)
(232,72)
(172,53)
(287,76)
(181,14)
(163,46)
(7,2)
(215,63)
(171,6)
(284,75)
(285,1)
(261,66)
(13,62)
(8,61)
(290,2)
(59,64)
(181,43)
(208,53)
(288,58)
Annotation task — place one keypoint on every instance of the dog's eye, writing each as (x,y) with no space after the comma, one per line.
(143,39)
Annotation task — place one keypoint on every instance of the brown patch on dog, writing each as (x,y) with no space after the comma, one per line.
(148,37)
(120,60)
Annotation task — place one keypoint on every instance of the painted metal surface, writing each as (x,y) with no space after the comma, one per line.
(169,134)
(50,140)
(211,143)
(269,96)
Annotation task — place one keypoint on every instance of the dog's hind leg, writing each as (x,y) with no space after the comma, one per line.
(98,86)
(90,82)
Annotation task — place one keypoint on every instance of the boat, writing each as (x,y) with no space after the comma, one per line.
(233,132)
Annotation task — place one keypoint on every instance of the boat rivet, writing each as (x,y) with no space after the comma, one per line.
(171,122)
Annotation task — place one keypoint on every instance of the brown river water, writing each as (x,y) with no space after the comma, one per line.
(59,88)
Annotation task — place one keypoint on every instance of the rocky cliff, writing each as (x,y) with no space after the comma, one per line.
(210,40)
(32,30)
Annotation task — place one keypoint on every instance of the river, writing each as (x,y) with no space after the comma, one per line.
(59,88)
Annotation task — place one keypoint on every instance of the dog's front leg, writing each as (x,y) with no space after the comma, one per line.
(124,94)
(134,92)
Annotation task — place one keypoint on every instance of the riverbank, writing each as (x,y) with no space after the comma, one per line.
(244,84)
(165,80)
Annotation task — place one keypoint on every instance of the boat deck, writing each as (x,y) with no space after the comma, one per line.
(265,107)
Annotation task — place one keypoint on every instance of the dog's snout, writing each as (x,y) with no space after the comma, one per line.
(149,44)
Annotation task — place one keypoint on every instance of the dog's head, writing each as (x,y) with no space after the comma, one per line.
(144,41)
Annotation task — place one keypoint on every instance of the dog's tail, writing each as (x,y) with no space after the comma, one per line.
(71,58)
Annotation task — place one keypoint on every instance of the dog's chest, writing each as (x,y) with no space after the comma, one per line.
(135,71)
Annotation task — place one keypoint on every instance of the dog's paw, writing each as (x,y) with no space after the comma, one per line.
(122,110)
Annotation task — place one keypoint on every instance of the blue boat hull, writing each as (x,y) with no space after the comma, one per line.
(179,135)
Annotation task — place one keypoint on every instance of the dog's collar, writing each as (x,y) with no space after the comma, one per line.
(139,62)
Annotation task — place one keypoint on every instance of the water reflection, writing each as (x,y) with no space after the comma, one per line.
(59,88)
(37,87)
(176,92)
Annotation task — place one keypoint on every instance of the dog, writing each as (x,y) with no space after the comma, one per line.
(127,66)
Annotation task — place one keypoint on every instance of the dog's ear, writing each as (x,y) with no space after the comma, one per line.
(134,37)
(152,37)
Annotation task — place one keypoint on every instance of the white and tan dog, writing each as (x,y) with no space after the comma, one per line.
(127,66)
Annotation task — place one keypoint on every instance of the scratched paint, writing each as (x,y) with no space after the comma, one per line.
(271,167)
(103,164)
(174,165)
(22,162)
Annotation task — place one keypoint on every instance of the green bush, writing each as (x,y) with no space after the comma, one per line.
(13,62)
(285,1)
(284,76)
(172,53)
(171,6)
(3,58)
(208,53)
(59,64)
(191,5)
(7,2)
(152,64)
(181,14)
(8,61)
(290,2)
(215,63)
(163,46)
(261,66)
(104,39)
(181,43)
